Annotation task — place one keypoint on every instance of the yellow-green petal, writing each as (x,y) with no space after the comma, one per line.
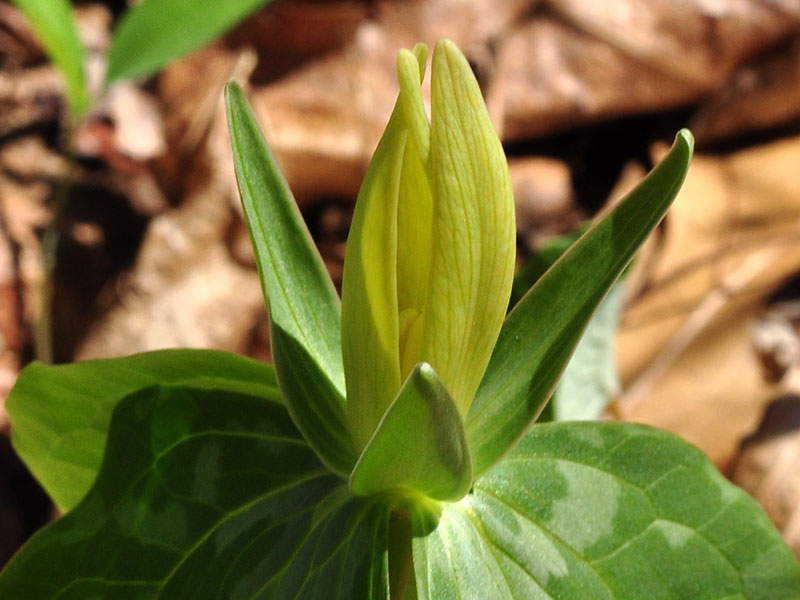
(369,290)
(370,315)
(473,237)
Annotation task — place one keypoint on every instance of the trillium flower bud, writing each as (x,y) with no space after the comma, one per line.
(430,256)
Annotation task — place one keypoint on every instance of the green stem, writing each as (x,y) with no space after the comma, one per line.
(402,584)
(43,328)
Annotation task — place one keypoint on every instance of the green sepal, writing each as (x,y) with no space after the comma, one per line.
(541,332)
(303,306)
(419,447)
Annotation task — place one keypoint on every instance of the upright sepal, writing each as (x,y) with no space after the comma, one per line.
(303,306)
(419,446)
(541,332)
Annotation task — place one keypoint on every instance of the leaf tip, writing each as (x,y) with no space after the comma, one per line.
(685,137)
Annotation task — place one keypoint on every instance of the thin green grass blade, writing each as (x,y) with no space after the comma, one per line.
(154,32)
(54,25)
(541,332)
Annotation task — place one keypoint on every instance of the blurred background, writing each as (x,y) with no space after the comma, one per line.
(586,95)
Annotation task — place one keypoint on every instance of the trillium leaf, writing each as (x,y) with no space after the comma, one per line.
(473,232)
(60,414)
(303,306)
(54,24)
(541,332)
(154,32)
(419,446)
(204,495)
(602,510)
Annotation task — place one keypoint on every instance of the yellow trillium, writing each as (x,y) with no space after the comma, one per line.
(430,256)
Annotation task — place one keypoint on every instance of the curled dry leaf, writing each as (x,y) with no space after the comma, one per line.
(186,288)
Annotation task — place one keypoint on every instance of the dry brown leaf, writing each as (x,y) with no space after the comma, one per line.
(760,94)
(769,467)
(543,196)
(186,289)
(730,240)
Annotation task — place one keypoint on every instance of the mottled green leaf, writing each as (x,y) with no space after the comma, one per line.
(419,446)
(303,306)
(603,510)
(60,414)
(207,495)
(154,32)
(54,25)
(541,332)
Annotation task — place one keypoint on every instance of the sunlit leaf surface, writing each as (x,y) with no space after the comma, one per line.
(207,495)
(602,510)
(60,414)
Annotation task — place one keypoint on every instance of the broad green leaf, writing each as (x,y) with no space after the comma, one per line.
(154,32)
(419,446)
(541,332)
(603,510)
(303,306)
(60,414)
(473,230)
(54,25)
(207,495)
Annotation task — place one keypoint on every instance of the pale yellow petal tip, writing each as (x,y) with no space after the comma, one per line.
(421,53)
(410,70)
